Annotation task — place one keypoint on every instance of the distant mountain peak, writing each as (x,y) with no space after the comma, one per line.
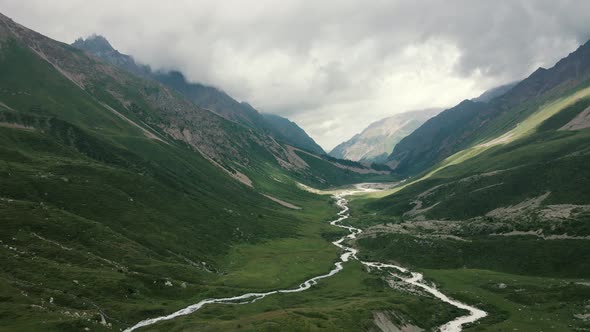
(94,43)
(100,47)
(377,141)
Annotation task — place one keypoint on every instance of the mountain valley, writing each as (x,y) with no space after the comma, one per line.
(134,199)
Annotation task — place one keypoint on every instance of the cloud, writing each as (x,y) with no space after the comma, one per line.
(331,66)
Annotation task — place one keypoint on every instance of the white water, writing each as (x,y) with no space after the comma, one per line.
(416,279)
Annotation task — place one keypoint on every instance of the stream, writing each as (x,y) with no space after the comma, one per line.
(416,278)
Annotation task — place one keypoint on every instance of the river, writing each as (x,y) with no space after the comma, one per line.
(349,253)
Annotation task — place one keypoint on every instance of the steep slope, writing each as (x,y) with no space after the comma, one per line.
(212,99)
(288,131)
(470,123)
(204,96)
(377,141)
(506,214)
(524,187)
(548,158)
(249,131)
(437,138)
(531,180)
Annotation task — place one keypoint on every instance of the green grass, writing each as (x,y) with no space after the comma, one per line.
(526,255)
(143,237)
(553,113)
(561,118)
(147,223)
(99,217)
(543,162)
(278,263)
(30,84)
(523,283)
(523,304)
(345,302)
(332,176)
(569,105)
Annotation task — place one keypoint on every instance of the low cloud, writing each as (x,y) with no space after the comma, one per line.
(331,66)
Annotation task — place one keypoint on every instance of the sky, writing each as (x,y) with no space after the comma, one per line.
(333,67)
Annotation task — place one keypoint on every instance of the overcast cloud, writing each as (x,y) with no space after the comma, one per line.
(331,66)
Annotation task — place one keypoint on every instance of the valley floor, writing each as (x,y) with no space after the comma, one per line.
(384,318)
(48,283)
(525,282)
(485,272)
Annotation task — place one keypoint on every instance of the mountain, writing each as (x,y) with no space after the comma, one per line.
(500,201)
(494,92)
(100,47)
(474,122)
(212,99)
(157,111)
(204,96)
(121,199)
(377,141)
(286,130)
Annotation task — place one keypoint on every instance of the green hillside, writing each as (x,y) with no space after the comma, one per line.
(121,200)
(474,122)
(290,133)
(502,223)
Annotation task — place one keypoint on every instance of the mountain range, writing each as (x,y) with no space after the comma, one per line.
(204,96)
